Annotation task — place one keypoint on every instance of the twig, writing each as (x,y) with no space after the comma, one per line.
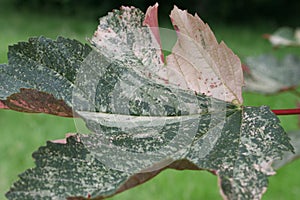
(294,111)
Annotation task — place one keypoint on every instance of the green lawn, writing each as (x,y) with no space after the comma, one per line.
(21,134)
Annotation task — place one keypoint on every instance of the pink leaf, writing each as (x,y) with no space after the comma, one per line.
(205,65)
(151,21)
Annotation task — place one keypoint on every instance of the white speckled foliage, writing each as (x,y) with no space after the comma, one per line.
(145,114)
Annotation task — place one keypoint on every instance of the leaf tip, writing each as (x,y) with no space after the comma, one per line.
(151,20)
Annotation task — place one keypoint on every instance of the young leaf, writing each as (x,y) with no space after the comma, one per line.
(46,69)
(270,75)
(207,67)
(284,36)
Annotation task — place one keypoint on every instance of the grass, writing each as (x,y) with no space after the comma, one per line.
(23,133)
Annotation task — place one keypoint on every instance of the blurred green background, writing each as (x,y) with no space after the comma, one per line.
(239,23)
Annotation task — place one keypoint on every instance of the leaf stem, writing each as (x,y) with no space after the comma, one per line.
(294,111)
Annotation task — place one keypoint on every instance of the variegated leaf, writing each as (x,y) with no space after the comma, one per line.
(143,121)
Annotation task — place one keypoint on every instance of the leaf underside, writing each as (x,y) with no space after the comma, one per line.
(137,114)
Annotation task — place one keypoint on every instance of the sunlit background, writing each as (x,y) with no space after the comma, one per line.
(239,23)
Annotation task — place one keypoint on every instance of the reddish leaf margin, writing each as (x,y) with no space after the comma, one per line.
(34,101)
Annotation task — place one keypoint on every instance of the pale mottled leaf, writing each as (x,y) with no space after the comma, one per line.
(269,74)
(44,67)
(122,38)
(289,156)
(284,36)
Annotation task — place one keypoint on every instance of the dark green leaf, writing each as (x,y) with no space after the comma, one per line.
(249,142)
(65,170)
(71,171)
(46,67)
(240,153)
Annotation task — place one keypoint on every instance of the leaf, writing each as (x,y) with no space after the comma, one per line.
(140,49)
(290,156)
(143,122)
(65,170)
(269,75)
(284,36)
(209,68)
(241,156)
(40,75)
(245,154)
(2,89)
(240,151)
(70,171)
(151,21)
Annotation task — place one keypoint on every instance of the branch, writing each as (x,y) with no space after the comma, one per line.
(295,111)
